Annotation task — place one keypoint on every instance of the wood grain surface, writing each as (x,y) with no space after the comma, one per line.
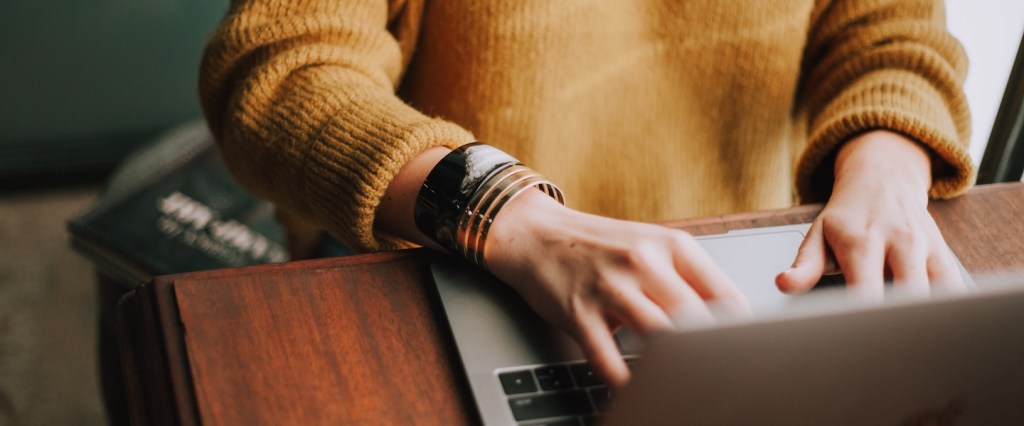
(345,344)
(361,339)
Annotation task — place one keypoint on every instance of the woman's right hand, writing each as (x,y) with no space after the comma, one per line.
(590,274)
(586,274)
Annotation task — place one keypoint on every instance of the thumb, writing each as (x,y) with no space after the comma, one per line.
(810,263)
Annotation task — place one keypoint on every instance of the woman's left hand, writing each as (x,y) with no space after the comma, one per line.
(876,224)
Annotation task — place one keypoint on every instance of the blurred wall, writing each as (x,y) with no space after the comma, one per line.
(990,31)
(84,81)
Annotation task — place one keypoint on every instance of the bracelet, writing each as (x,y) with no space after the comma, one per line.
(443,196)
(465,192)
(493,195)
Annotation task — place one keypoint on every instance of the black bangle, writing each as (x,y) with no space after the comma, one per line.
(450,185)
(464,193)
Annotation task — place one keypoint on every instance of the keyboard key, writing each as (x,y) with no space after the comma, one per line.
(554,377)
(602,396)
(571,403)
(516,382)
(584,375)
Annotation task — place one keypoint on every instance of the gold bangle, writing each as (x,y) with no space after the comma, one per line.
(515,183)
(495,209)
(487,201)
(473,212)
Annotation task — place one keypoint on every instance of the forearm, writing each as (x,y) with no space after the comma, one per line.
(301,99)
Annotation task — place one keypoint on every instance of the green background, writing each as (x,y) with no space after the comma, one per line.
(83,82)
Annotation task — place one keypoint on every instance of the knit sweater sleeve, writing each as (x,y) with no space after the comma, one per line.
(883,64)
(300,96)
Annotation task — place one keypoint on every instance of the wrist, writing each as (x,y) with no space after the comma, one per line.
(524,218)
(464,193)
(886,156)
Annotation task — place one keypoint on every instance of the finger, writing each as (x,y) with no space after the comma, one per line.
(690,309)
(809,265)
(944,272)
(697,269)
(673,294)
(863,263)
(665,287)
(642,315)
(909,270)
(599,346)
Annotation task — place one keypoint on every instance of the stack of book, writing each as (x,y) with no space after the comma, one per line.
(174,207)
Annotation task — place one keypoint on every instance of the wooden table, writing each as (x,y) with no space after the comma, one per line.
(361,340)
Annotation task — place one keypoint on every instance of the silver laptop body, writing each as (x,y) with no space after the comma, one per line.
(946,360)
(497,334)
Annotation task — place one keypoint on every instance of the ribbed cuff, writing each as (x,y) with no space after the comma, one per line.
(357,154)
(897,101)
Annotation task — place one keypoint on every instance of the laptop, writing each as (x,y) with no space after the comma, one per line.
(781,366)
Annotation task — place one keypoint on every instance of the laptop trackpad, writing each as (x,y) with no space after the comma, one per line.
(752,260)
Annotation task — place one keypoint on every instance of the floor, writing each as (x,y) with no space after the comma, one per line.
(48,373)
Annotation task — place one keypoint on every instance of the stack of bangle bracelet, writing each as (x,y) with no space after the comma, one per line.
(464,193)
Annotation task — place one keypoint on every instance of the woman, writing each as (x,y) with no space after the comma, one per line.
(345,114)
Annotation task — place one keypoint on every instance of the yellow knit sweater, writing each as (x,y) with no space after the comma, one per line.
(642,109)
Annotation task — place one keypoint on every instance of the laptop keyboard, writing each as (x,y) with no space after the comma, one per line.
(567,394)
(556,394)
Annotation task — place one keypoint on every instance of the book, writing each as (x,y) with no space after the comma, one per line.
(174,207)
